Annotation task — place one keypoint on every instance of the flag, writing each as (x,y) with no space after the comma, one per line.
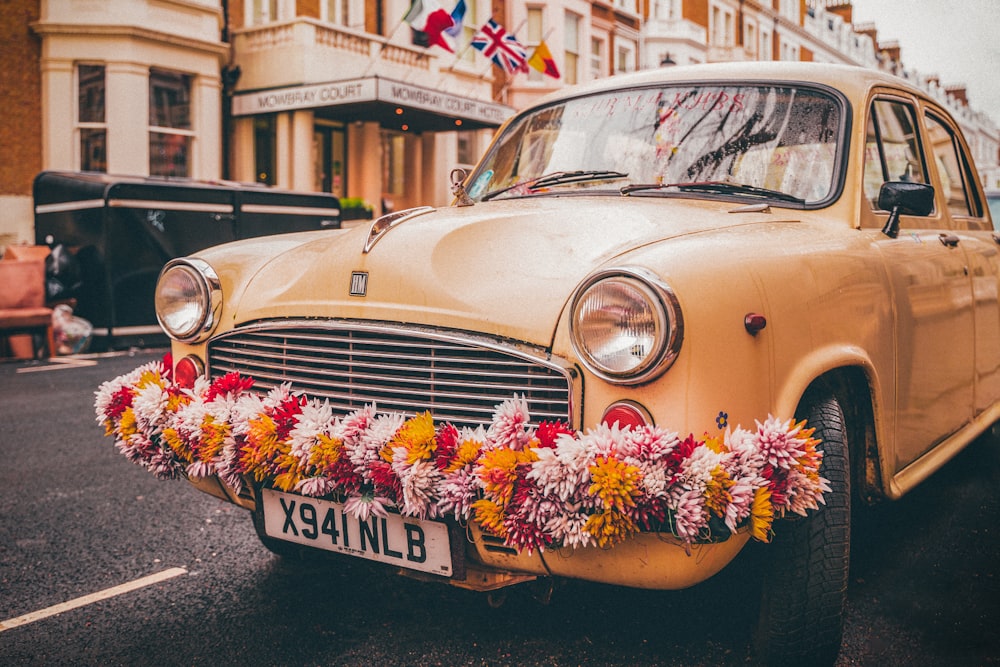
(542,60)
(458,18)
(500,47)
(428,17)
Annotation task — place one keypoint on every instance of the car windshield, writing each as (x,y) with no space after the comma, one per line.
(758,142)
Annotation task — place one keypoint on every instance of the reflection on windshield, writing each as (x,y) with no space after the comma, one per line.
(774,138)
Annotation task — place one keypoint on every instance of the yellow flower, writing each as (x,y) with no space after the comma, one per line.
(417,436)
(615,482)
(489,515)
(610,527)
(177,444)
(126,425)
(325,452)
(717,444)
(213,437)
(717,495)
(467,454)
(147,378)
(761,515)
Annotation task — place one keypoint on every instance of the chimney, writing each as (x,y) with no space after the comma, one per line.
(841,8)
(958,93)
(892,50)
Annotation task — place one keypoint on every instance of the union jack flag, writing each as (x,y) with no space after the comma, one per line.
(500,47)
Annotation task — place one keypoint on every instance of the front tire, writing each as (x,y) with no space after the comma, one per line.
(806,566)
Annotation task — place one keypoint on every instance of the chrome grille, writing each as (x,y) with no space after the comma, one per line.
(458,378)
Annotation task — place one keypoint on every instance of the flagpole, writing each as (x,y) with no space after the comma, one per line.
(382,45)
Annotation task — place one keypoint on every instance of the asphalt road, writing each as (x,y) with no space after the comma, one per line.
(77,519)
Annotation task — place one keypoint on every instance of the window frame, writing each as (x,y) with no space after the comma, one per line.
(91,128)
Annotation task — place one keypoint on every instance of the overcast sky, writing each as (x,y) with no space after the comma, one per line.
(959,40)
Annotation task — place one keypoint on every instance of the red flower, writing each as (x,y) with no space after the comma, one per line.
(447,439)
(285,413)
(548,432)
(230,383)
(120,401)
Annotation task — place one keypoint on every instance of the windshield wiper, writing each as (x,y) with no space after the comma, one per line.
(558,178)
(720,187)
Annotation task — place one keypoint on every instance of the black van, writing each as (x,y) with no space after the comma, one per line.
(121,230)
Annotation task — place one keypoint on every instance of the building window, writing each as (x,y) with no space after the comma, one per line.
(170,134)
(625,51)
(750,39)
(534,37)
(262,11)
(766,52)
(91,120)
(571,41)
(264,142)
(597,69)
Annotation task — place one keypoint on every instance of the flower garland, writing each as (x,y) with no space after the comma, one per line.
(534,487)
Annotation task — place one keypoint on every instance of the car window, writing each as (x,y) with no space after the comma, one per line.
(952,166)
(892,148)
(785,139)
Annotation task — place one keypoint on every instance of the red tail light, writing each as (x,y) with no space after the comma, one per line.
(626,414)
(188,370)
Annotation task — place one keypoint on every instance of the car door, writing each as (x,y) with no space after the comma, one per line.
(954,176)
(928,275)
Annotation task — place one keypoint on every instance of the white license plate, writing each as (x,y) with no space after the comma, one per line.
(405,542)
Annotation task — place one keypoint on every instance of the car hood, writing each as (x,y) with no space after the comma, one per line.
(504,268)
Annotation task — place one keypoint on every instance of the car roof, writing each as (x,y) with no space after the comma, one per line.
(853,81)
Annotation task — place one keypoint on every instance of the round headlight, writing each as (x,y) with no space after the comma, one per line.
(627,325)
(188,298)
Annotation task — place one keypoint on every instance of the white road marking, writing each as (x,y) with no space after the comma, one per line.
(33,616)
(57,364)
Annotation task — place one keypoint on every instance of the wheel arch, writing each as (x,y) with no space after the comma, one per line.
(853,389)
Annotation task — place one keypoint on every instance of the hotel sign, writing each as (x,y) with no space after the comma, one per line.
(371,89)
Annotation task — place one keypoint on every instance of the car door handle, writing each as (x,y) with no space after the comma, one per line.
(949,240)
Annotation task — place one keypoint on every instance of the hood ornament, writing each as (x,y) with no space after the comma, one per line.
(462,197)
(381,226)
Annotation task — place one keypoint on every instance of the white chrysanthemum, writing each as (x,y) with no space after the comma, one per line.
(456,492)
(200,469)
(510,424)
(354,424)
(149,407)
(316,419)
(246,408)
(418,481)
(650,443)
(780,442)
(654,478)
(365,448)
(567,528)
(560,471)
(364,506)
(697,468)
(738,509)
(314,486)
(689,514)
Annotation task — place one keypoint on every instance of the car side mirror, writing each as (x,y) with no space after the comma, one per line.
(902,198)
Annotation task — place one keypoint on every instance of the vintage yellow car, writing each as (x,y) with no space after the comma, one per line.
(668,314)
